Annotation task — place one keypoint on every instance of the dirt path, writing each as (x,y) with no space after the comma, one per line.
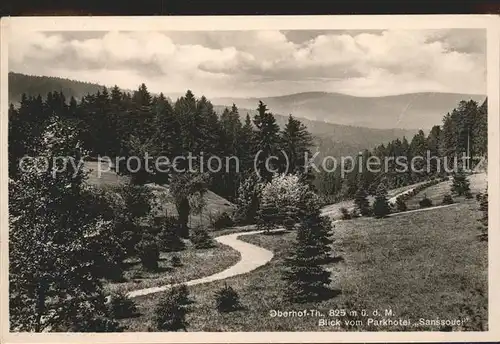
(252,257)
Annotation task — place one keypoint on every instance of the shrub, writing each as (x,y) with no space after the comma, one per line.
(425,202)
(401,204)
(171,310)
(227,300)
(355,214)
(283,200)
(149,253)
(175,261)
(248,201)
(201,239)
(483,207)
(346,215)
(447,199)
(479,197)
(120,306)
(222,220)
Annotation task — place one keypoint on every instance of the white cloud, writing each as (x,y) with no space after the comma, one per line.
(258,63)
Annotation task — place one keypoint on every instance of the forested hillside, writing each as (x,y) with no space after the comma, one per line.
(463,130)
(116,123)
(33,85)
(329,138)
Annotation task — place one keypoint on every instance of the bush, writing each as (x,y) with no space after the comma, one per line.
(248,201)
(149,253)
(400,204)
(283,200)
(222,221)
(227,300)
(425,202)
(175,261)
(201,239)
(120,306)
(447,199)
(171,310)
(479,197)
(346,215)
(355,214)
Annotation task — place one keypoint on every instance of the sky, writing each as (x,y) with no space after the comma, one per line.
(261,63)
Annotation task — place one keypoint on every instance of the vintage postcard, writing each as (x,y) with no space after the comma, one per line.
(250,179)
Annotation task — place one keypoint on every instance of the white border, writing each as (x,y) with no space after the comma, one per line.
(364,22)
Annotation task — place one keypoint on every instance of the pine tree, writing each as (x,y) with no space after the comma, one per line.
(227,299)
(381,206)
(433,146)
(418,148)
(148,252)
(480,131)
(171,310)
(306,277)
(267,141)
(296,141)
(361,202)
(460,184)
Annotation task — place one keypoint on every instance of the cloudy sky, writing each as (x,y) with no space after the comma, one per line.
(261,63)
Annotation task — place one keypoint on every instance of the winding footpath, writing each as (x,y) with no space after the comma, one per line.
(252,257)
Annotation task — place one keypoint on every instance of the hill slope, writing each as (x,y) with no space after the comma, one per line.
(35,85)
(335,139)
(408,111)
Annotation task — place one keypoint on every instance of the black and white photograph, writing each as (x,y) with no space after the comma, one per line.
(227,178)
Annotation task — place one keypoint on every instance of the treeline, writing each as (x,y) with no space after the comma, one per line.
(34,85)
(464,130)
(115,123)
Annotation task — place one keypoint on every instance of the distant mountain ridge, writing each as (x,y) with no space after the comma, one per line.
(347,136)
(405,111)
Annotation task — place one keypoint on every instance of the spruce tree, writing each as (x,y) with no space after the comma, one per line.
(460,185)
(381,206)
(296,143)
(361,202)
(306,277)
(267,141)
(171,310)
(246,147)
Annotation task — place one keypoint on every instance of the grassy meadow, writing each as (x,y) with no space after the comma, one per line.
(419,265)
